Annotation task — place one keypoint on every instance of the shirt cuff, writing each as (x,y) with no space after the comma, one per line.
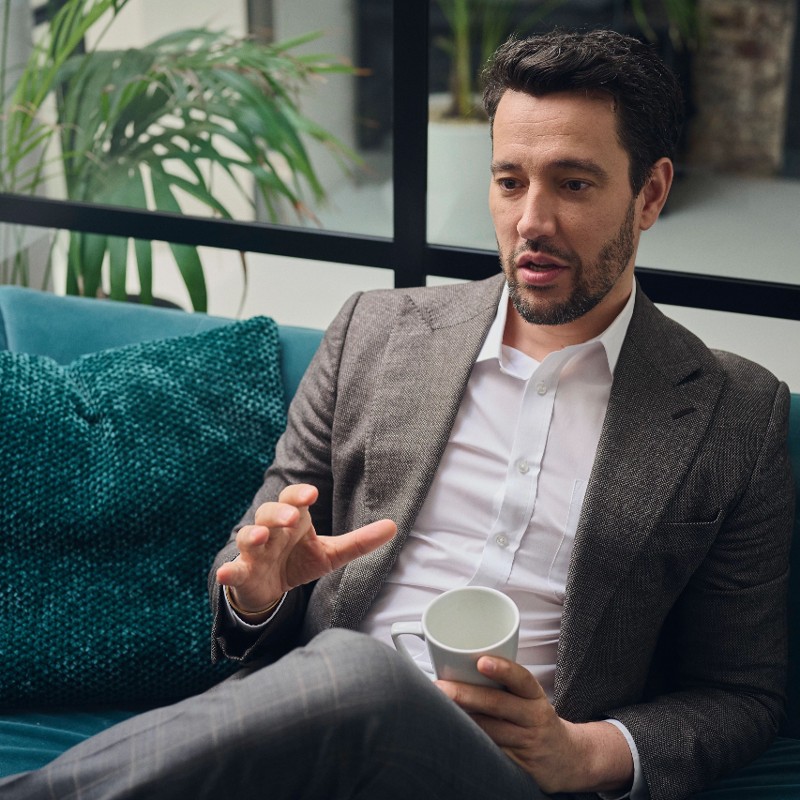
(234,618)
(638,790)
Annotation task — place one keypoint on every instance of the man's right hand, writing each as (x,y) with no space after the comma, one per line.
(282,550)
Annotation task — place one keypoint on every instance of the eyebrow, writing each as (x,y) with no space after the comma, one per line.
(579,164)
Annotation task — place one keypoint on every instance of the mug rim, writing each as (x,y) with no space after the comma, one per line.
(471,650)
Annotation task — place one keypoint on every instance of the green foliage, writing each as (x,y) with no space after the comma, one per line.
(683,21)
(479,27)
(144,128)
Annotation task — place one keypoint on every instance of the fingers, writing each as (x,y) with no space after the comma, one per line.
(249,540)
(252,537)
(343,549)
(290,509)
(233,573)
(299,495)
(521,685)
(281,550)
(518,680)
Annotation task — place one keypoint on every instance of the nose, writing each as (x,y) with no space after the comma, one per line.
(537,215)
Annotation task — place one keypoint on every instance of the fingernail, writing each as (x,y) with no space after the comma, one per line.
(488,665)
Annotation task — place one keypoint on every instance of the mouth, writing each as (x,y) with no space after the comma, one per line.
(538,269)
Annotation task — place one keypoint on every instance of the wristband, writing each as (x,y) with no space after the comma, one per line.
(244,611)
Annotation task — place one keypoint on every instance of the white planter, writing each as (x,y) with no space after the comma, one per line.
(459,160)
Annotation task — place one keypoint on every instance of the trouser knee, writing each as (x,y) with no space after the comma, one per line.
(344,670)
(366,667)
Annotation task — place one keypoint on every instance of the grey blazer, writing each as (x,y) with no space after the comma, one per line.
(674,618)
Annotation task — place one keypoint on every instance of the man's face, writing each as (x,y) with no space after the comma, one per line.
(566,221)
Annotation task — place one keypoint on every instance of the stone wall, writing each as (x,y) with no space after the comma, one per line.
(741,77)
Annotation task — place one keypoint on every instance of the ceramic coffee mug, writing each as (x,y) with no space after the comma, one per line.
(459,627)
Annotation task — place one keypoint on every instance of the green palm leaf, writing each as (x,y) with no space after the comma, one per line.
(146,127)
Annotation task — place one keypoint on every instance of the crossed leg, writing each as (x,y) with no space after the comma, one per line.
(344,717)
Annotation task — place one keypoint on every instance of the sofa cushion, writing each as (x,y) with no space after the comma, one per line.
(775,775)
(122,474)
(31,739)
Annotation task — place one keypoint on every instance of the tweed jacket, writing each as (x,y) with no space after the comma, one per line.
(674,618)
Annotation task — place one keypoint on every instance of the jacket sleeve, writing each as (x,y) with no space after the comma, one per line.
(302,455)
(726,638)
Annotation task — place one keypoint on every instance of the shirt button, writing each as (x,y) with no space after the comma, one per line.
(541,388)
(502,541)
(523,467)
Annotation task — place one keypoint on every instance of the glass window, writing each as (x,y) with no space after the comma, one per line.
(192,107)
(355,107)
(732,210)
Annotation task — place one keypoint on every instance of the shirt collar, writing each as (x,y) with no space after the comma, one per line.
(611,338)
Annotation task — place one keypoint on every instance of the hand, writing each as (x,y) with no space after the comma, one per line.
(282,550)
(561,756)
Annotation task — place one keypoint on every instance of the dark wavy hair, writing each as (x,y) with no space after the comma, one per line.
(647,96)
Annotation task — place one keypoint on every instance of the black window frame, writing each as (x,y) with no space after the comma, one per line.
(407,253)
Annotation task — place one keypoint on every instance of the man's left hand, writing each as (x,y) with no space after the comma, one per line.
(561,756)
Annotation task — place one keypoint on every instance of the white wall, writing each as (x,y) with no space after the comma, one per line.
(773,343)
(142,21)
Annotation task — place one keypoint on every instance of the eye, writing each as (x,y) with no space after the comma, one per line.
(508,184)
(576,185)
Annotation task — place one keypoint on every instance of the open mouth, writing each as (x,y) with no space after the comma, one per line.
(538,269)
(538,262)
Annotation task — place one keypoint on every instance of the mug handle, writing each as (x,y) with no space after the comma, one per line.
(406,629)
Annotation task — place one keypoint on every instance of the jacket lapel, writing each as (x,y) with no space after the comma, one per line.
(666,385)
(418,391)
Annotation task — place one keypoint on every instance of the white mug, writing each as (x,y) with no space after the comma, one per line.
(460,626)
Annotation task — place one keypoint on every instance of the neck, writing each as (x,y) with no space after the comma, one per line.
(538,341)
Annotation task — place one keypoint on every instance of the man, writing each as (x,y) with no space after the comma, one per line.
(550,434)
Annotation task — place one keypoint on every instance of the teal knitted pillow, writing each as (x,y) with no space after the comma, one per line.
(121,476)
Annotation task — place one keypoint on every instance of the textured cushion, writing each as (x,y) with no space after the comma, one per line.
(121,476)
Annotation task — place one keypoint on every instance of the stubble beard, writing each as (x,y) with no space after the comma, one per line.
(591,284)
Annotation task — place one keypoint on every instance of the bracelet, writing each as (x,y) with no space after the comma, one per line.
(244,611)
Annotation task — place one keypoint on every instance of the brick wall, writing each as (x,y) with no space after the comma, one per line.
(741,76)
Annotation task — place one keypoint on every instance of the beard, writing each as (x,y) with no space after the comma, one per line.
(591,282)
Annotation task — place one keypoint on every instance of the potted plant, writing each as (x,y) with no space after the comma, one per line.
(682,19)
(149,127)
(476,29)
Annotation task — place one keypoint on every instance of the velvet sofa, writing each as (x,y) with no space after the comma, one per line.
(132,438)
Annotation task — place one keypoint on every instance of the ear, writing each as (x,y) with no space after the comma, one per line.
(655,191)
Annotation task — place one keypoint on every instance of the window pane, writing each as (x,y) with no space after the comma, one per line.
(200,117)
(356,108)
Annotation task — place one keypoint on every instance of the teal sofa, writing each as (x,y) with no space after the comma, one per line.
(106,537)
